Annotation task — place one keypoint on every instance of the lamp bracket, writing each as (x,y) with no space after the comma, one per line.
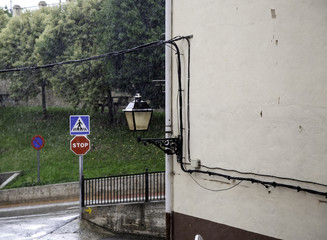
(170,146)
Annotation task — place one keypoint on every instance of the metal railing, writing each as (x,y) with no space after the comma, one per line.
(142,187)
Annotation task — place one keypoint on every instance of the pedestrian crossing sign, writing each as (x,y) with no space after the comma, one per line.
(79,124)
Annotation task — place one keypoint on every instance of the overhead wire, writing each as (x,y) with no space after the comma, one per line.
(105,55)
(210,173)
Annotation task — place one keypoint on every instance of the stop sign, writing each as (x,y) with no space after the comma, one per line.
(80,145)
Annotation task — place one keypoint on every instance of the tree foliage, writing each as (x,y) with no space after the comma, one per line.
(131,23)
(17,46)
(81,29)
(72,35)
(4,18)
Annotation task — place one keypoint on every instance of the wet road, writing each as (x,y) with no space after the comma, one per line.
(49,223)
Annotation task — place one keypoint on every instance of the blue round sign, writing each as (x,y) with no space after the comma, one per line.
(38,142)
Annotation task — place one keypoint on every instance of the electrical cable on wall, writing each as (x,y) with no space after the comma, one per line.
(215,190)
(263,175)
(180,102)
(188,99)
(267,184)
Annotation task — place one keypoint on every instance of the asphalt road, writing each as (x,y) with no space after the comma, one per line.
(51,222)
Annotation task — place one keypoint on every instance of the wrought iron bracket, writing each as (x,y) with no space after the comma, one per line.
(170,146)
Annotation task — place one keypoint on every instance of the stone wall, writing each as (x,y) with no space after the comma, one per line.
(136,218)
(65,191)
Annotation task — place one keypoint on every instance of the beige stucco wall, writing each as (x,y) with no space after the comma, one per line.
(258,104)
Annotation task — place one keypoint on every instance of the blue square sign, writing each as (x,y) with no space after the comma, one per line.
(79,124)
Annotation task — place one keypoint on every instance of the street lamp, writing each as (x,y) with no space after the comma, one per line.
(138,115)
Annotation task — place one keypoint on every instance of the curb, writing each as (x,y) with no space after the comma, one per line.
(12,176)
(39,209)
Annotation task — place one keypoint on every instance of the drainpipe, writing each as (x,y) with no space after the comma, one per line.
(168,122)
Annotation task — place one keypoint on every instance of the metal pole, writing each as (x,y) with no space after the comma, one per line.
(38,166)
(168,121)
(81,177)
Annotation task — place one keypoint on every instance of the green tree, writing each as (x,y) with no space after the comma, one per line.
(17,42)
(128,23)
(72,34)
(92,27)
(4,18)
(79,30)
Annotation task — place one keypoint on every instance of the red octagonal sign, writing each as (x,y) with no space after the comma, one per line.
(80,145)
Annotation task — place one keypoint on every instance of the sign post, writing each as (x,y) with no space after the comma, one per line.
(38,166)
(80,145)
(80,126)
(81,182)
(38,143)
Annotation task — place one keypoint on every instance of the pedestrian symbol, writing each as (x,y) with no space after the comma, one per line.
(80,125)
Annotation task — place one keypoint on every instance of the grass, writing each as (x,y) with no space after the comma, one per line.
(114,148)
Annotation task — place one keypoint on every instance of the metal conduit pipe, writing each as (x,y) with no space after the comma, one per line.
(168,123)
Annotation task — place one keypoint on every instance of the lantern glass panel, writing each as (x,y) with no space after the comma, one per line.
(130,120)
(142,120)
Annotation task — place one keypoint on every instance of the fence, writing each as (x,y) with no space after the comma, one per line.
(140,187)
